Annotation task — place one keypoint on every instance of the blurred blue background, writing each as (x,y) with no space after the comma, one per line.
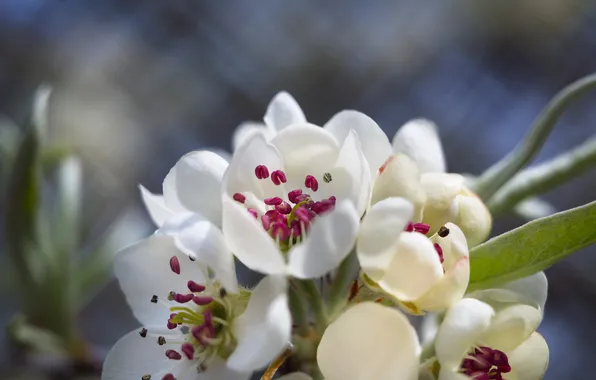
(138,83)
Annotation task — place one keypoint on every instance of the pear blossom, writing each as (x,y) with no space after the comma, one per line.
(420,273)
(415,168)
(292,206)
(480,341)
(194,328)
(369,341)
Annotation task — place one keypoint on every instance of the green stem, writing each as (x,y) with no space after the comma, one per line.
(497,175)
(544,177)
(338,294)
(299,310)
(315,300)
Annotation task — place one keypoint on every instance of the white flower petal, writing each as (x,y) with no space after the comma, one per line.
(217,369)
(415,268)
(440,206)
(240,176)
(474,218)
(247,130)
(449,374)
(378,238)
(295,376)
(203,241)
(283,110)
(306,150)
(375,144)
(531,291)
(448,289)
(170,192)
(454,246)
(369,341)
(511,326)
(464,323)
(249,242)
(418,139)
(399,177)
(132,357)
(198,183)
(329,241)
(156,206)
(530,360)
(264,329)
(351,159)
(143,270)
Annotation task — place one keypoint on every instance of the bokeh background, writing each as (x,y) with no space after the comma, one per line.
(138,83)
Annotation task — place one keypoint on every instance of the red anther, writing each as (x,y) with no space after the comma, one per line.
(439,252)
(296,229)
(266,222)
(322,206)
(274,201)
(422,228)
(182,298)
(173,354)
(280,231)
(409,227)
(188,350)
(253,212)
(311,183)
(208,318)
(278,177)
(168,376)
(202,300)
(171,325)
(293,195)
(202,333)
(239,197)
(284,208)
(175,264)
(194,287)
(302,214)
(275,216)
(261,172)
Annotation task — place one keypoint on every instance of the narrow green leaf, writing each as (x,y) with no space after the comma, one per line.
(22,198)
(532,247)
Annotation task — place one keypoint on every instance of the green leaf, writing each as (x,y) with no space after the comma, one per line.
(22,199)
(532,247)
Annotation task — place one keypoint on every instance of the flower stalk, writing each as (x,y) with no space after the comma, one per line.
(501,172)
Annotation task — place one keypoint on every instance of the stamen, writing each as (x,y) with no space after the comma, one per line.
(253,212)
(239,198)
(422,228)
(327,177)
(202,300)
(280,231)
(168,376)
(161,340)
(183,298)
(409,227)
(261,172)
(173,354)
(443,232)
(194,287)
(278,177)
(188,350)
(439,252)
(283,208)
(154,299)
(175,264)
(302,214)
(143,333)
(274,201)
(191,258)
(266,221)
(146,377)
(311,183)
(485,363)
(293,196)
(223,293)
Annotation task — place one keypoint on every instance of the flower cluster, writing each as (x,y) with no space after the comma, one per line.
(293,203)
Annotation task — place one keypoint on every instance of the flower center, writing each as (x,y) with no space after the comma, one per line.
(484,363)
(203,317)
(288,220)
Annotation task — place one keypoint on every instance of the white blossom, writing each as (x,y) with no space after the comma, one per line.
(193,327)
